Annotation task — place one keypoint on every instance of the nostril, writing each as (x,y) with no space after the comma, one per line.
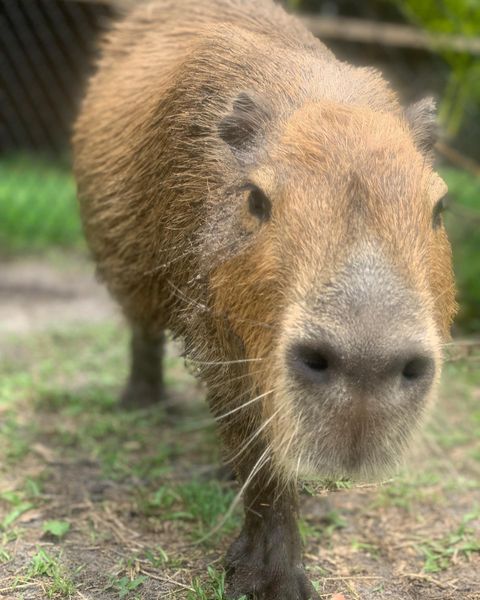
(416,368)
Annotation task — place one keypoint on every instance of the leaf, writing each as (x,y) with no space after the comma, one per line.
(126,585)
(16,512)
(56,528)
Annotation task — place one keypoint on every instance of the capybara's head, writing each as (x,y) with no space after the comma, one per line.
(334,270)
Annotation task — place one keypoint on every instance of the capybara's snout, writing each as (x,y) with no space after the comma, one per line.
(361,359)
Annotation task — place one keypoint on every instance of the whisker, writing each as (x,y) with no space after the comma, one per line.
(260,463)
(254,436)
(223,384)
(236,409)
(283,449)
(182,296)
(178,293)
(224,362)
(180,257)
(216,418)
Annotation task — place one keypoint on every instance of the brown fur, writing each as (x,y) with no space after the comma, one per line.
(193,100)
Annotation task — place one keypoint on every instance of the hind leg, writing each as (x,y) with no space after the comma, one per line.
(145,384)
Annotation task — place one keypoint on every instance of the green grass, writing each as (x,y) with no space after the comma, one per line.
(463,224)
(72,379)
(330,522)
(125,586)
(439,554)
(56,529)
(48,571)
(211,589)
(17,508)
(199,505)
(38,207)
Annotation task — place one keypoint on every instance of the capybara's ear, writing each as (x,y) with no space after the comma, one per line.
(422,118)
(244,127)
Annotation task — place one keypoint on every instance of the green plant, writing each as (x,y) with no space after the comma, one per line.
(463,224)
(125,585)
(45,566)
(157,557)
(461,17)
(206,503)
(438,554)
(57,529)
(18,507)
(212,589)
(4,555)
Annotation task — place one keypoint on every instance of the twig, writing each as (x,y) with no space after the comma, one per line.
(351,577)
(388,34)
(167,580)
(20,586)
(430,580)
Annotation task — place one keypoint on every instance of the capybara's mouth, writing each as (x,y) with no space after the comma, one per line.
(347,450)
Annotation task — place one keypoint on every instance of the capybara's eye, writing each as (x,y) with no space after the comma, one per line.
(259,205)
(438,209)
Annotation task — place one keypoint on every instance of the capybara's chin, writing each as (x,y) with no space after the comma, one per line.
(364,449)
(362,438)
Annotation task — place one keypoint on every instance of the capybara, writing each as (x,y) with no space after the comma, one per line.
(277,209)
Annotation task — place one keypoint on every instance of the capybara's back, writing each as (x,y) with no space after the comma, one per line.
(277,209)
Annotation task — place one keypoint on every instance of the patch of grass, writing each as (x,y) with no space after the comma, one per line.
(202,504)
(48,570)
(160,500)
(32,487)
(67,379)
(17,506)
(407,490)
(38,205)
(212,589)
(125,586)
(206,503)
(15,437)
(121,442)
(439,554)
(5,556)
(367,548)
(323,529)
(157,557)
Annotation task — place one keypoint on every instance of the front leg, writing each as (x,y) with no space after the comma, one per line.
(265,562)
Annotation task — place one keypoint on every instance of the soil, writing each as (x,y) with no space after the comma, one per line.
(36,294)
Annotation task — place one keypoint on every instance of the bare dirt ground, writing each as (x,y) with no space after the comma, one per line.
(37,294)
(100,504)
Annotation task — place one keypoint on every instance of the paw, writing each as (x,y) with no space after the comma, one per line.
(263,572)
